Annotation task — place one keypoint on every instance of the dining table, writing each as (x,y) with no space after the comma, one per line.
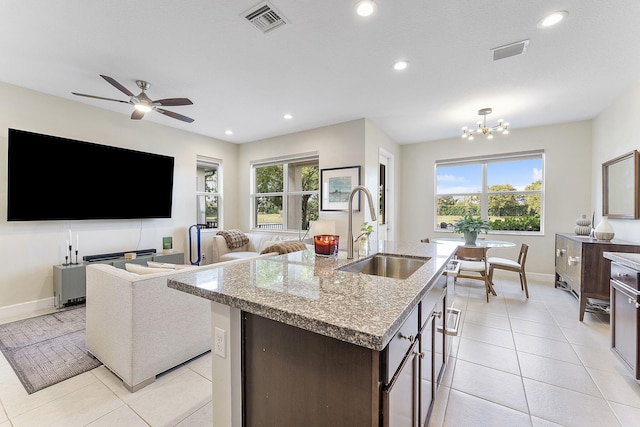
(480,242)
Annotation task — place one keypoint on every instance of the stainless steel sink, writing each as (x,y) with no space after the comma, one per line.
(387,265)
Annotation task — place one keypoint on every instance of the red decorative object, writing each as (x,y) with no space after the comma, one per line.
(326,244)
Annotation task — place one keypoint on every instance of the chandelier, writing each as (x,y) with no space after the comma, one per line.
(482,126)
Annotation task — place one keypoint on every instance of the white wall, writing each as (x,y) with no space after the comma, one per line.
(353,143)
(28,250)
(615,132)
(338,145)
(567,150)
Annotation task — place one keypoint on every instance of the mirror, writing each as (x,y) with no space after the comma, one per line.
(620,186)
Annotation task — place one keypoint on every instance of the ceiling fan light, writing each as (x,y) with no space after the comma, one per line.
(142,107)
(400,65)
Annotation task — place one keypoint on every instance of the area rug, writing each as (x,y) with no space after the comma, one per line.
(47,349)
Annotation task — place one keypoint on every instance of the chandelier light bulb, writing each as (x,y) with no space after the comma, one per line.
(483,127)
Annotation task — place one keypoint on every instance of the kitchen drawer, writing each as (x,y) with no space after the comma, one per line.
(401,343)
(625,275)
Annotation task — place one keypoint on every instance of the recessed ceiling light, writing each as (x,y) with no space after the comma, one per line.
(552,19)
(288,116)
(365,7)
(228,132)
(400,65)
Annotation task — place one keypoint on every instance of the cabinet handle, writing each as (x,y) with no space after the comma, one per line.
(437,314)
(419,353)
(632,301)
(560,252)
(409,338)
(573,260)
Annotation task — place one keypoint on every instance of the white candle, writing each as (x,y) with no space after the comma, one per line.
(70,239)
(77,242)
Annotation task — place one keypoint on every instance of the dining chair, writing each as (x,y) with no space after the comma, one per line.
(511,265)
(473,265)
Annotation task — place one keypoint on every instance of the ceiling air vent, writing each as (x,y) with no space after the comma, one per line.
(265,17)
(513,49)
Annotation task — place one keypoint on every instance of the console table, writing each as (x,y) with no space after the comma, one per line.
(69,281)
(582,269)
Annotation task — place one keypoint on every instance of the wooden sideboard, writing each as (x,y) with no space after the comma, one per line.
(582,269)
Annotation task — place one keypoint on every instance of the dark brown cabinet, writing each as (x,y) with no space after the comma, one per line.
(293,377)
(581,268)
(625,316)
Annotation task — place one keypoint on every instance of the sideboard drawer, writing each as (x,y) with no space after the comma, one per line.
(625,275)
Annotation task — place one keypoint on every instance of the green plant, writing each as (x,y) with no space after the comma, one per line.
(366,228)
(470,224)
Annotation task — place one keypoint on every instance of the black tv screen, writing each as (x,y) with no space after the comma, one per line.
(53,178)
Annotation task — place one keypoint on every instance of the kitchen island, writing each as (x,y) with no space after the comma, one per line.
(303,314)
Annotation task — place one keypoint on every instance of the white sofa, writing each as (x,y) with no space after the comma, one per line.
(138,327)
(257,242)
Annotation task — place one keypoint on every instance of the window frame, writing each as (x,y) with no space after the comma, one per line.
(205,161)
(313,157)
(484,193)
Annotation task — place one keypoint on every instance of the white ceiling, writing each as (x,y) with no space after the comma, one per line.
(328,65)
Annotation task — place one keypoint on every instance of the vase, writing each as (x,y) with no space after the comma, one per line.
(470,238)
(363,246)
(583,226)
(604,230)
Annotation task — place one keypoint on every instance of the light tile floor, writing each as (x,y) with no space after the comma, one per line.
(517,362)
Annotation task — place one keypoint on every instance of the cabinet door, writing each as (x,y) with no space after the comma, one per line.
(561,255)
(624,326)
(439,337)
(427,386)
(401,397)
(574,263)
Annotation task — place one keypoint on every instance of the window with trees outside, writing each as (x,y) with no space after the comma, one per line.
(506,190)
(208,200)
(286,193)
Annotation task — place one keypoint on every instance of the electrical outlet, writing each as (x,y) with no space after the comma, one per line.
(220,343)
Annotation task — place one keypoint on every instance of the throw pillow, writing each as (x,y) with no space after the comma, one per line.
(141,269)
(235,238)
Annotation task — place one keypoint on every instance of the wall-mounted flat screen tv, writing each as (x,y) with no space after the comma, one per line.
(53,178)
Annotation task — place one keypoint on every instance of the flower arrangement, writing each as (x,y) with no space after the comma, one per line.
(366,228)
(470,224)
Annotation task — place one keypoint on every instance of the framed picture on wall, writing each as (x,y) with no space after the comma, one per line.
(336,185)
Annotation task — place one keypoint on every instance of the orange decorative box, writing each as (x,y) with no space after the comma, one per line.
(326,244)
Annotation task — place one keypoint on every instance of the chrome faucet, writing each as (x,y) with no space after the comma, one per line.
(366,191)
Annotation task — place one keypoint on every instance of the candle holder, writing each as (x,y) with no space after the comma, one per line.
(326,244)
(66,260)
(76,263)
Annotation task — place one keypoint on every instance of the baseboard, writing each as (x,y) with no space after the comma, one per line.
(26,308)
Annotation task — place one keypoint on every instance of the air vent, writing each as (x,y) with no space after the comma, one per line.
(506,51)
(265,17)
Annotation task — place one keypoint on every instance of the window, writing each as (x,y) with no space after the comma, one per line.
(286,193)
(507,190)
(208,200)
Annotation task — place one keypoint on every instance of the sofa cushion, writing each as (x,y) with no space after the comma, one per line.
(141,269)
(234,238)
(155,264)
(237,255)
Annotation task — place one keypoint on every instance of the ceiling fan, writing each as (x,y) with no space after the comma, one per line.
(142,103)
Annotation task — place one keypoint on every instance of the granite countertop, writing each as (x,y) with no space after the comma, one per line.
(306,291)
(626,259)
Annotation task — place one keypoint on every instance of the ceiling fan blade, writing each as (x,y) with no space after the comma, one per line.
(117,85)
(99,97)
(174,115)
(173,102)
(137,115)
